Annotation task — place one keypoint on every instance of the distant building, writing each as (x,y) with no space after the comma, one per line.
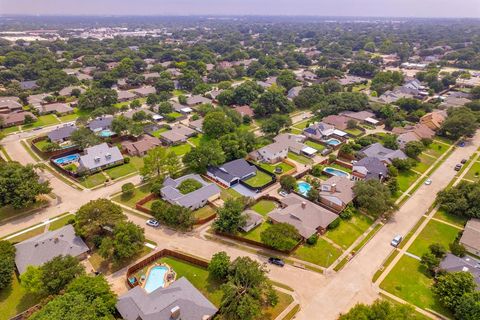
(178,134)
(434,119)
(471,236)
(253,219)
(141,146)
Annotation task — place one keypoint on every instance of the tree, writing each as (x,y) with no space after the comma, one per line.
(380,310)
(309,96)
(31,280)
(159,162)
(219,266)
(238,144)
(280,236)
(386,80)
(246,291)
(96,214)
(462,200)
(451,286)
(373,196)
(272,101)
(459,122)
(413,149)
(83,138)
(362,69)
(288,183)
(468,307)
(275,123)
(475,92)
(438,250)
(128,189)
(95,98)
(20,185)
(7,263)
(217,124)
(128,240)
(230,217)
(431,262)
(390,141)
(206,154)
(70,306)
(287,79)
(174,216)
(28,119)
(120,124)
(403,165)
(164,85)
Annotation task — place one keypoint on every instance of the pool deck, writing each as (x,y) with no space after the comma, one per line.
(142,280)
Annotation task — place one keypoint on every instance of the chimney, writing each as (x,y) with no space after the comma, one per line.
(175,312)
(333,188)
(304,204)
(380,176)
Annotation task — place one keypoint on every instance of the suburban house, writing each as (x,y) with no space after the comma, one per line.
(42,248)
(369,168)
(452,263)
(197,100)
(321,131)
(413,133)
(130,113)
(101,123)
(253,219)
(123,95)
(99,157)
(141,146)
(15,118)
(361,117)
(151,77)
(245,111)
(214,93)
(144,91)
(59,108)
(61,134)
(377,150)
(230,173)
(338,121)
(196,125)
(307,217)
(391,96)
(67,91)
(192,200)
(181,108)
(37,99)
(278,151)
(337,192)
(471,236)
(349,79)
(9,105)
(178,134)
(180,300)
(434,119)
(29,85)
(293,92)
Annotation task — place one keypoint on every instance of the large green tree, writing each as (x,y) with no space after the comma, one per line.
(451,287)
(459,122)
(93,216)
(373,196)
(217,124)
(97,98)
(160,162)
(280,236)
(380,310)
(7,263)
(127,241)
(207,154)
(230,217)
(461,200)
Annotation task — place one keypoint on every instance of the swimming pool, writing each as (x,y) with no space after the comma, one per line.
(67,159)
(333,142)
(106,133)
(155,278)
(303,187)
(336,172)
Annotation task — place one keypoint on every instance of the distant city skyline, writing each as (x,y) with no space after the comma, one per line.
(360,8)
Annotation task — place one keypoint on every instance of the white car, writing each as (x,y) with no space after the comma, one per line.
(283,193)
(428,182)
(396,241)
(153,223)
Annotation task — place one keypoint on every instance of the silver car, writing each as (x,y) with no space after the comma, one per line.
(396,241)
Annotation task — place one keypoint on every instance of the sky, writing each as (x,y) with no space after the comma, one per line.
(367,8)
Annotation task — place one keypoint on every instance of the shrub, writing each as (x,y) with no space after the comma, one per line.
(157,185)
(313,240)
(317,170)
(189,185)
(346,214)
(458,249)
(126,160)
(128,189)
(280,236)
(335,223)
(332,158)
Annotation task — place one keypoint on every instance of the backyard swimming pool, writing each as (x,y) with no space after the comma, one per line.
(155,278)
(333,142)
(336,172)
(303,187)
(67,159)
(106,133)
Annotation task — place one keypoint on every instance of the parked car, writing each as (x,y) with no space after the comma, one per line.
(153,223)
(276,261)
(458,167)
(463,161)
(283,193)
(428,182)
(396,240)
(461,144)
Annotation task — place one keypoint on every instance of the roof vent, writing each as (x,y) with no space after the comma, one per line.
(175,312)
(465,269)
(304,204)
(97,159)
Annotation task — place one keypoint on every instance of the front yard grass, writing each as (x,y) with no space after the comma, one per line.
(229,193)
(354,132)
(139,193)
(263,207)
(299,158)
(425,163)
(349,230)
(204,212)
(434,232)
(450,218)
(14,299)
(408,280)
(68,117)
(10,129)
(41,144)
(436,149)
(258,180)
(27,235)
(63,221)
(9,212)
(181,149)
(157,133)
(406,179)
(271,167)
(323,253)
(46,120)
(474,173)
(93,180)
(121,171)
(196,140)
(315,145)
(255,233)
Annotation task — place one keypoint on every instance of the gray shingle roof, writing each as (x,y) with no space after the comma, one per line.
(99,156)
(471,234)
(234,169)
(100,123)
(452,263)
(371,167)
(173,195)
(61,133)
(43,248)
(385,154)
(137,304)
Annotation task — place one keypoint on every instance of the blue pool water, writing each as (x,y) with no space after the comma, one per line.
(333,142)
(106,133)
(67,159)
(303,187)
(336,172)
(156,278)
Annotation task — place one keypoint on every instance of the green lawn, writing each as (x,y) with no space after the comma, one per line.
(27,235)
(69,117)
(434,232)
(140,193)
(10,129)
(263,207)
(474,172)
(196,140)
(229,193)
(93,180)
(41,144)
(271,167)
(255,233)
(258,180)
(302,124)
(322,254)
(315,145)
(45,120)
(299,158)
(159,131)
(424,164)
(408,281)
(178,92)
(63,221)
(120,171)
(354,132)
(175,114)
(204,212)
(450,218)
(9,212)
(181,149)
(14,299)
(349,230)
(436,149)
(137,162)
(406,179)
(108,267)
